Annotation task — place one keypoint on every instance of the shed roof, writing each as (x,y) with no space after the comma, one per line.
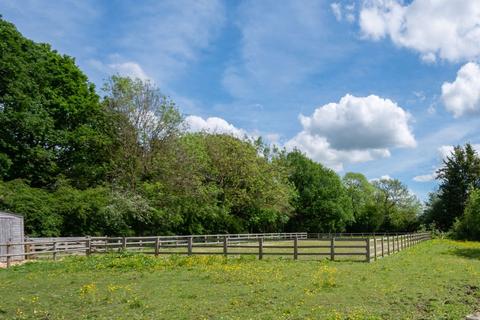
(4,214)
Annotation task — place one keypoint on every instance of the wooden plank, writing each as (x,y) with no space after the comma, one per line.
(260,248)
(295,248)
(190,246)
(367,254)
(332,249)
(225,245)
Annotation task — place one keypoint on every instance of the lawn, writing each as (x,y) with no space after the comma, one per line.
(438,279)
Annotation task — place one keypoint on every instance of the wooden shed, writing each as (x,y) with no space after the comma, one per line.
(11,230)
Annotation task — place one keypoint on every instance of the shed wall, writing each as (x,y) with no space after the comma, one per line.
(11,230)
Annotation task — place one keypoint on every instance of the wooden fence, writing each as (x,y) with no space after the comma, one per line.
(333,246)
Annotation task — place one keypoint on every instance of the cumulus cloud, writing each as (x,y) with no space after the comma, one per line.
(213,125)
(443,29)
(356,129)
(462,96)
(356,123)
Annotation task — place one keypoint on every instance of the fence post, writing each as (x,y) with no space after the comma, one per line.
(388,245)
(54,250)
(190,245)
(260,248)
(367,244)
(88,244)
(295,248)
(225,246)
(124,244)
(332,248)
(27,249)
(9,259)
(375,247)
(383,250)
(157,246)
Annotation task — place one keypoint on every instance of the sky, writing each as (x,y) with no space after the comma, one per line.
(381,87)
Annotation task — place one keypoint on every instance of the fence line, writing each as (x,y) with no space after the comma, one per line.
(333,246)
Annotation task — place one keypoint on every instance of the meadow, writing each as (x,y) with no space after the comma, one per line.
(438,279)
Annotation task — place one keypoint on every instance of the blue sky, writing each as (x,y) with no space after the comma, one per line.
(382,87)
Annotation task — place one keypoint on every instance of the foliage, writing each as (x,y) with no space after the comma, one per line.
(367,217)
(217,183)
(399,207)
(322,204)
(144,120)
(51,121)
(468,226)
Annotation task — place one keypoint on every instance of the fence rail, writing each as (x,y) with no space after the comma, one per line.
(333,246)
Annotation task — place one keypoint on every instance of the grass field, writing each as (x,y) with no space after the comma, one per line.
(439,279)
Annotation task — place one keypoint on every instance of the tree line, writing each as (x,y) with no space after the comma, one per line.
(121,161)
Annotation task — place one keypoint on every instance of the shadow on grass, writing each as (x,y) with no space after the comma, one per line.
(470,253)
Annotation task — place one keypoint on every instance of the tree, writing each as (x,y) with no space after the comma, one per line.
(399,207)
(51,122)
(468,226)
(144,120)
(218,183)
(458,176)
(322,204)
(366,213)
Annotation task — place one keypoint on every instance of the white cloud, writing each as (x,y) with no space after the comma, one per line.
(129,69)
(425,178)
(213,125)
(346,11)
(356,123)
(383,177)
(445,29)
(337,10)
(356,129)
(463,95)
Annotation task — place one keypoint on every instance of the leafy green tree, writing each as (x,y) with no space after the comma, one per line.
(460,174)
(35,205)
(51,122)
(218,183)
(322,204)
(399,207)
(367,215)
(144,121)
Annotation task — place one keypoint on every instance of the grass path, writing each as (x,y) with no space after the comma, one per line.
(439,279)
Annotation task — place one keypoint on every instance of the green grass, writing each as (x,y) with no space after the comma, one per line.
(439,279)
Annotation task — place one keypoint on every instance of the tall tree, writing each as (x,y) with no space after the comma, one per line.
(144,121)
(400,208)
(366,213)
(458,176)
(322,204)
(51,122)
